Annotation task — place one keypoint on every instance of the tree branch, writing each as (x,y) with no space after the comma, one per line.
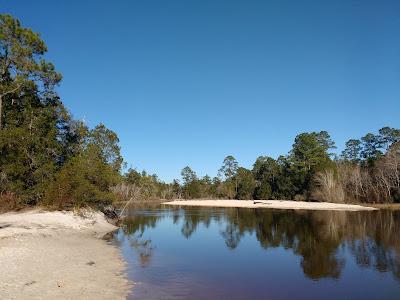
(12,91)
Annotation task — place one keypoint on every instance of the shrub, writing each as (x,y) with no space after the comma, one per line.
(84,181)
(8,201)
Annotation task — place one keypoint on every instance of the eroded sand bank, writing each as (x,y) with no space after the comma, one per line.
(59,255)
(277,204)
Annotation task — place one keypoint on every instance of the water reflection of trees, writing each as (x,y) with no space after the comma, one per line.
(316,237)
(133,228)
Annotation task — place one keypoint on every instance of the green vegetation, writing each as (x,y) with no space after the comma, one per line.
(48,158)
(366,171)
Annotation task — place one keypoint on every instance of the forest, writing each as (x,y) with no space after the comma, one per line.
(366,171)
(50,159)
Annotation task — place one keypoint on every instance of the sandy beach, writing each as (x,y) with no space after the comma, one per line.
(276,204)
(59,255)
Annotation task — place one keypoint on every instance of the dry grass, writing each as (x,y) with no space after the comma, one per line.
(8,202)
(391,206)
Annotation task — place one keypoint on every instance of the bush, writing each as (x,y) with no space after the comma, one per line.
(8,201)
(327,187)
(300,197)
(84,181)
(263,192)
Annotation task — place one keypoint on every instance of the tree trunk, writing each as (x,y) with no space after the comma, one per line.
(236,187)
(1,112)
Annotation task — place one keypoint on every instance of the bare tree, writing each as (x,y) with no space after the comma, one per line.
(327,187)
(129,192)
(387,173)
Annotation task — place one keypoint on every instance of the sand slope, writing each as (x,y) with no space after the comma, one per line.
(277,204)
(59,255)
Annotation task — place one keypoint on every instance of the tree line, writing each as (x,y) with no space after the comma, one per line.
(49,158)
(367,170)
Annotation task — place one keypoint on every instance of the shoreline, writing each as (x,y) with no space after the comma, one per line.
(275,204)
(59,255)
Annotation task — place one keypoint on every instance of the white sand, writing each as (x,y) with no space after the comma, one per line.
(277,204)
(59,255)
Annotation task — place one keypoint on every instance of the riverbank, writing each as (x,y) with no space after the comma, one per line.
(389,206)
(59,255)
(277,204)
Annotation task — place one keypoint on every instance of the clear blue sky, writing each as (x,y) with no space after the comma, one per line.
(189,82)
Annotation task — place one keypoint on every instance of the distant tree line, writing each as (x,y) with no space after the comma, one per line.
(368,170)
(48,158)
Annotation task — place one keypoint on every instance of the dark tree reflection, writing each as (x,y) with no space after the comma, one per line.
(317,237)
(232,235)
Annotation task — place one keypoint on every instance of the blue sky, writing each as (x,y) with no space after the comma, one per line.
(189,82)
